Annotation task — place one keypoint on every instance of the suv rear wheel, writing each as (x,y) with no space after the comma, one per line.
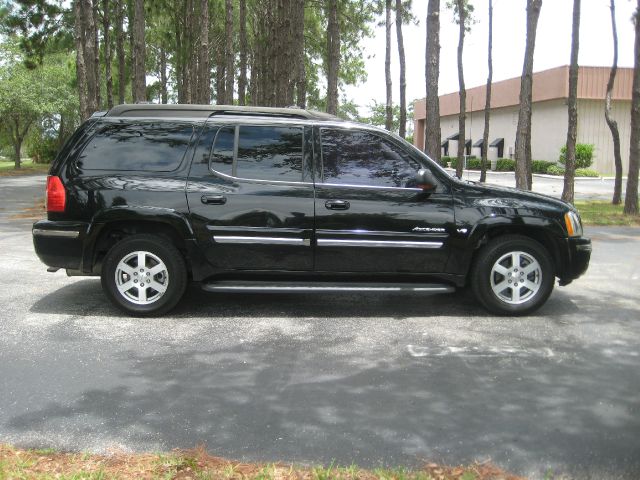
(144,275)
(513,275)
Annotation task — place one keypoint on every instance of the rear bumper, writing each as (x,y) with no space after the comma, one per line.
(59,244)
(577,256)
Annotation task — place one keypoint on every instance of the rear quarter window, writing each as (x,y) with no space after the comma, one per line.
(147,146)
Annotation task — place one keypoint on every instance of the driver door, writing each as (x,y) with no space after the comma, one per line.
(368,217)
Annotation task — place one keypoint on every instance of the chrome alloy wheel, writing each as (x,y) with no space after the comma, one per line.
(516,277)
(142,277)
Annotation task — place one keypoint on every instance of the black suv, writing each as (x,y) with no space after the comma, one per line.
(150,197)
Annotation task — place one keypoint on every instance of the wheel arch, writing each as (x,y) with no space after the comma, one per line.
(544,231)
(112,226)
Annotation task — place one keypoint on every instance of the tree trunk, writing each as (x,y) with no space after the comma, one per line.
(89,28)
(572,106)
(613,125)
(17,147)
(333,56)
(523,132)
(81,69)
(204,81)
(631,196)
(282,67)
(487,103)
(96,54)
(299,48)
(403,81)
(122,83)
(242,79)
(432,71)
(288,68)
(106,25)
(140,88)
(229,54)
(187,48)
(164,94)
(388,120)
(462,136)
(194,40)
(17,138)
(271,58)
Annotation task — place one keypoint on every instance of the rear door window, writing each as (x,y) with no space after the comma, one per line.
(147,146)
(270,153)
(222,151)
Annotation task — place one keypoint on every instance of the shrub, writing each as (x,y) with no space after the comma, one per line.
(445,161)
(43,150)
(541,166)
(473,162)
(555,170)
(505,165)
(584,155)
(586,172)
(580,172)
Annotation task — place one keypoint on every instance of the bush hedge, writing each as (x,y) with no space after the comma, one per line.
(541,166)
(555,170)
(505,165)
(586,172)
(580,172)
(44,150)
(584,155)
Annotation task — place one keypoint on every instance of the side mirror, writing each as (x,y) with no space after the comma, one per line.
(425,180)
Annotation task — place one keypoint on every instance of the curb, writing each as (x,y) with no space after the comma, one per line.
(540,175)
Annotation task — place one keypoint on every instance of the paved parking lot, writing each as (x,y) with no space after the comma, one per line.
(371,379)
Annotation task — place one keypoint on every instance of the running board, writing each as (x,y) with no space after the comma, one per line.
(321,287)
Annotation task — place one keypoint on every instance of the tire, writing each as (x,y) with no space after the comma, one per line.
(154,260)
(512,275)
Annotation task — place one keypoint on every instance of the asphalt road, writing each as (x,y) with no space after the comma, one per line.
(371,379)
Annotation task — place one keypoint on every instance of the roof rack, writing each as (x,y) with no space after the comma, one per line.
(204,111)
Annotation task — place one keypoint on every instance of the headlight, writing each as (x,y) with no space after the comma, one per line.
(573,224)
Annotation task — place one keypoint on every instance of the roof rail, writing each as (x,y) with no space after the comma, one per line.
(204,111)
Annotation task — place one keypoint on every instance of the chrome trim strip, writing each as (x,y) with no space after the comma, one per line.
(232,239)
(302,288)
(56,233)
(334,242)
(375,187)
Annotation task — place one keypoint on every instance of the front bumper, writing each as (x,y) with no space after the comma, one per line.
(59,244)
(577,256)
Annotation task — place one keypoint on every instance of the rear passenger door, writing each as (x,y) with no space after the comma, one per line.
(250,194)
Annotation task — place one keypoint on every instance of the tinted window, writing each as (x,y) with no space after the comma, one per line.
(144,146)
(222,151)
(270,153)
(362,158)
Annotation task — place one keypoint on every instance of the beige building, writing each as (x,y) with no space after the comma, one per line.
(549,116)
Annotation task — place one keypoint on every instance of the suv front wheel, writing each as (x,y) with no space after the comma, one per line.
(144,275)
(513,275)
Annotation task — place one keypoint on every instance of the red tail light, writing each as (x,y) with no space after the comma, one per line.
(56,194)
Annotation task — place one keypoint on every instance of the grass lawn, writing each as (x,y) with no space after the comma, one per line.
(199,465)
(7,167)
(604,213)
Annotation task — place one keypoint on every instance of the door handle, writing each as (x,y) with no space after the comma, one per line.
(213,199)
(337,204)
